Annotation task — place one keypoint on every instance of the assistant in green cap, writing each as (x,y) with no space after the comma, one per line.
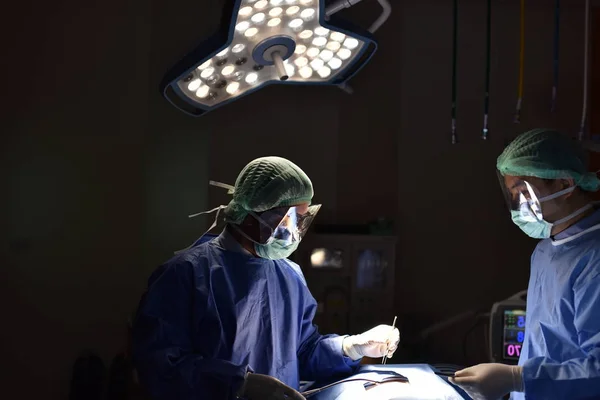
(547,186)
(547,154)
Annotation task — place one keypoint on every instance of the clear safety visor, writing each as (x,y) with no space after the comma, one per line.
(287,224)
(522,197)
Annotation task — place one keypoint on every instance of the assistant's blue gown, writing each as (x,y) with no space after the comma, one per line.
(561,352)
(215,312)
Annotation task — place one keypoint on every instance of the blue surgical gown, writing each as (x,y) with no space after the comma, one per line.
(215,312)
(561,352)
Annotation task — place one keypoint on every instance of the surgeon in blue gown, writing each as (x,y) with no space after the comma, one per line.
(548,189)
(221,317)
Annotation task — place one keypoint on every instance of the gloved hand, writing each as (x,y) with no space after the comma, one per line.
(489,381)
(377,342)
(265,387)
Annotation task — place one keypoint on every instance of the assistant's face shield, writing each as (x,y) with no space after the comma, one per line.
(524,199)
(285,224)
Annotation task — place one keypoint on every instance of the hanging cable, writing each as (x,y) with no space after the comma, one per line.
(556,49)
(521,65)
(486,101)
(585,69)
(454,63)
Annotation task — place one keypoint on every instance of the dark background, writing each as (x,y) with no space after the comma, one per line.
(100,172)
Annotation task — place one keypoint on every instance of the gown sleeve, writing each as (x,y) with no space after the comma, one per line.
(163,353)
(320,356)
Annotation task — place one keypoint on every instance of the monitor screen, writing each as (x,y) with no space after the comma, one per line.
(513,333)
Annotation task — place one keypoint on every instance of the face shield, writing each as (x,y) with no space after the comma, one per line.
(524,200)
(285,224)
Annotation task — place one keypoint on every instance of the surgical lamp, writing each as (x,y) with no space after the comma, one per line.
(264,42)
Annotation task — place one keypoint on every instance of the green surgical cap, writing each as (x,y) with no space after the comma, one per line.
(547,154)
(267,183)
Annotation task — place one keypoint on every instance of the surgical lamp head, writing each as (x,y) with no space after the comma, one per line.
(264,42)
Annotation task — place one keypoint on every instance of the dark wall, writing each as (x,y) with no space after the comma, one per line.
(74,122)
(100,172)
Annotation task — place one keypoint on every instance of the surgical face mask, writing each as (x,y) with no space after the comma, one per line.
(276,250)
(527,217)
(280,230)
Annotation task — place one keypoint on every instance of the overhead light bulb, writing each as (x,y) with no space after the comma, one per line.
(305,34)
(324,72)
(202,92)
(326,55)
(274,22)
(292,10)
(245,11)
(338,36)
(319,41)
(232,87)
(305,72)
(307,14)
(251,32)
(251,77)
(296,23)
(238,48)
(275,12)
(300,49)
(321,31)
(228,70)
(333,46)
(258,18)
(301,61)
(242,26)
(317,63)
(351,43)
(312,52)
(344,54)
(194,85)
(335,63)
(261,4)
(207,73)
(289,70)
